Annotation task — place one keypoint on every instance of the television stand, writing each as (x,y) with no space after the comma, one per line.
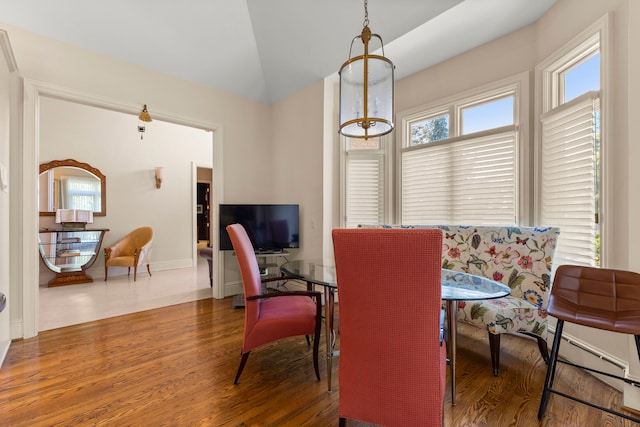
(269,252)
(266,271)
(266,262)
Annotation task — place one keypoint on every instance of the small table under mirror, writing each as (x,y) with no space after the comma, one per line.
(70,253)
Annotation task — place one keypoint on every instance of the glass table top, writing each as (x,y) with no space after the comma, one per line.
(456,285)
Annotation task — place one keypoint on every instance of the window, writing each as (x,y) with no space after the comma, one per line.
(487,115)
(570,149)
(430,129)
(364,182)
(468,174)
(80,193)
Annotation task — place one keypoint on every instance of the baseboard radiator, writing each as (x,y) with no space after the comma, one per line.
(604,362)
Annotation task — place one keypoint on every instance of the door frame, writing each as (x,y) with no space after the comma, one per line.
(33,90)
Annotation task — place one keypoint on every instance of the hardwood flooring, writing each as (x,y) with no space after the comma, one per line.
(174,366)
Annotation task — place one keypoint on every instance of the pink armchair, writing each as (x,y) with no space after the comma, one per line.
(272,316)
(392,359)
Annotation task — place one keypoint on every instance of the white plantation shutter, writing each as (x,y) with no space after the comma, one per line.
(463,180)
(568,198)
(364,189)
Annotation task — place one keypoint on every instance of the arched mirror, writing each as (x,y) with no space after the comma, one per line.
(69,184)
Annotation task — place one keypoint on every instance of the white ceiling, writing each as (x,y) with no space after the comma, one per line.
(269,49)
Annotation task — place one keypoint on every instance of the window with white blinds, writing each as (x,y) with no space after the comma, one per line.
(464,180)
(364,188)
(568,181)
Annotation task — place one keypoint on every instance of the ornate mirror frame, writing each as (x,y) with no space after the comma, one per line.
(84,166)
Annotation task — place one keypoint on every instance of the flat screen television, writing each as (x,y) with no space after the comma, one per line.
(271,228)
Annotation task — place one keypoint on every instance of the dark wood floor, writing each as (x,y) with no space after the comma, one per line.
(175,366)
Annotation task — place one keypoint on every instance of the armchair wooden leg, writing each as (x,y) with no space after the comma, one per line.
(494,347)
(342,422)
(135,272)
(149,271)
(241,367)
(544,349)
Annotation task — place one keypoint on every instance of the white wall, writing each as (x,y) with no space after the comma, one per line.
(243,129)
(297,158)
(6,68)
(110,142)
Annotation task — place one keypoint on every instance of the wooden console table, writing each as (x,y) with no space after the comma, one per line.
(69,253)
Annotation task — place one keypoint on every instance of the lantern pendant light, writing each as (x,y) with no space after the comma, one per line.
(366,90)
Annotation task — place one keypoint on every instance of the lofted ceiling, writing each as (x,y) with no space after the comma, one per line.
(269,49)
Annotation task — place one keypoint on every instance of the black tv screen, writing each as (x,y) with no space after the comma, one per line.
(270,227)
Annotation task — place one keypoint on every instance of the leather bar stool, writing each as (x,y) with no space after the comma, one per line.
(598,298)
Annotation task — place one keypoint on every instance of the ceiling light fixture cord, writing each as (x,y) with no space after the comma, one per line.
(366,14)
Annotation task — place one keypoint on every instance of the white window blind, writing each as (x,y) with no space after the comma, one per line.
(568,195)
(364,189)
(464,180)
(80,193)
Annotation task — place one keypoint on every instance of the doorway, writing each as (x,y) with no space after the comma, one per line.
(29,274)
(203,208)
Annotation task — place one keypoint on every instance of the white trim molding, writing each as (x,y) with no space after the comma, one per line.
(5,45)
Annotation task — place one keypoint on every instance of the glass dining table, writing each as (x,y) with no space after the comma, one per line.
(456,286)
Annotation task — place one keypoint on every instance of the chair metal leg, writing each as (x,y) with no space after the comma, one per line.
(551,369)
(551,373)
(316,337)
(241,367)
(494,347)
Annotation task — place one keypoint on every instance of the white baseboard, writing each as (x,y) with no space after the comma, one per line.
(4,348)
(16,329)
(233,288)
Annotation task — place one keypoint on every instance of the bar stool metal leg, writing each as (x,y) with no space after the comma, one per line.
(551,369)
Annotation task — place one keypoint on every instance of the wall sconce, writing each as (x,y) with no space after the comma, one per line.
(158,176)
(142,118)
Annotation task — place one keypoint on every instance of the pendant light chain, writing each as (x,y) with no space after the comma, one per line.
(366,14)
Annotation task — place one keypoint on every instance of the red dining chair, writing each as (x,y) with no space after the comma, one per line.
(392,367)
(272,316)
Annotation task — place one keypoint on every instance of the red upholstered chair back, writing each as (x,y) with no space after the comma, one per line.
(249,271)
(392,363)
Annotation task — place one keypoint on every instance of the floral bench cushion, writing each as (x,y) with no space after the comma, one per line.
(520,257)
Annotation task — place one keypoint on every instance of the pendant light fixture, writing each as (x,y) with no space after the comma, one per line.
(366,90)
(143,118)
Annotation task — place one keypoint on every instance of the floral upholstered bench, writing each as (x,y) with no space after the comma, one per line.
(520,257)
